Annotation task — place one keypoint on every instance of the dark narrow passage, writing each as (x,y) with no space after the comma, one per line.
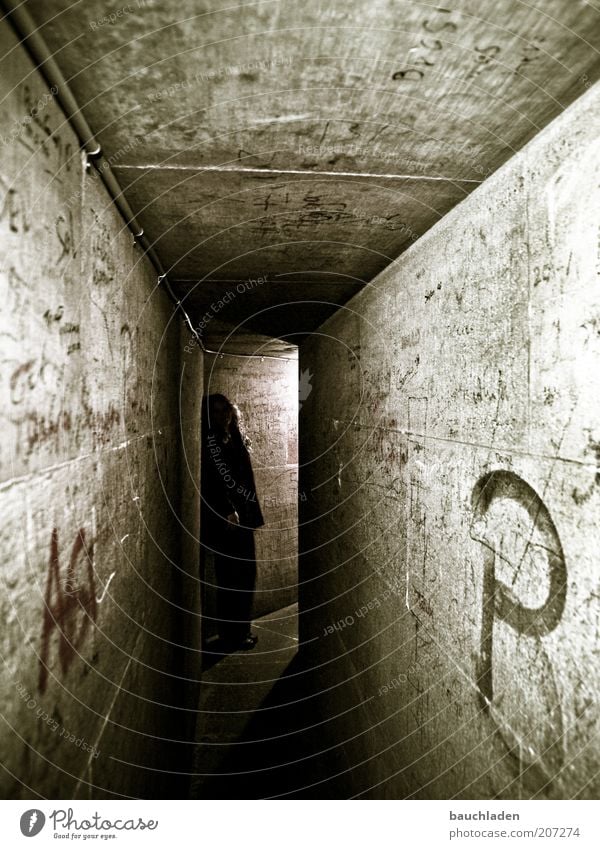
(258,735)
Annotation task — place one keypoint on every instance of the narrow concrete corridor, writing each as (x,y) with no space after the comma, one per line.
(373,226)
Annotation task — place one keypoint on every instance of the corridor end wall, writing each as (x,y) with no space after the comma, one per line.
(266,391)
(450,453)
(99,577)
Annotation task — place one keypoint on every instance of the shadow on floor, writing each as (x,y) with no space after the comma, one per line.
(259,733)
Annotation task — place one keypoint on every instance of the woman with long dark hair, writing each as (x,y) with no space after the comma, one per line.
(230,515)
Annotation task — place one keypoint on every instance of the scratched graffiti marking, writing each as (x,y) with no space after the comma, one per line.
(524,592)
(69,604)
(65,235)
(42,137)
(13,210)
(102,251)
(427,54)
(421,574)
(37,372)
(417,420)
(14,294)
(484,60)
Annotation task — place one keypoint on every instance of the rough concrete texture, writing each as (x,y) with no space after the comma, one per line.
(350,93)
(294,86)
(96,584)
(231,226)
(267,394)
(448,570)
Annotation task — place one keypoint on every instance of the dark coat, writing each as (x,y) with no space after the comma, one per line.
(227,486)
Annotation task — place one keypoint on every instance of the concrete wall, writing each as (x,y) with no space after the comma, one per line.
(97,587)
(450,452)
(266,391)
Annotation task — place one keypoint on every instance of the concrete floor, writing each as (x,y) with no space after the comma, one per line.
(259,734)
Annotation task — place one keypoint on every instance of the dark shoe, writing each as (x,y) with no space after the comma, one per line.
(248,642)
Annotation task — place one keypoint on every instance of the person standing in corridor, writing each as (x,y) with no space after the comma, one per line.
(230,515)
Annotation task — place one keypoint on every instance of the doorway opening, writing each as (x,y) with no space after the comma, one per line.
(241,690)
(260,376)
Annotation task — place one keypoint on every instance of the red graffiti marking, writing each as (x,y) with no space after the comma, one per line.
(69,606)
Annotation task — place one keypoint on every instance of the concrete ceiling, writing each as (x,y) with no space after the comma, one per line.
(308,144)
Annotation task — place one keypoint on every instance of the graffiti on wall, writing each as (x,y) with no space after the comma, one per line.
(70,605)
(524,589)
